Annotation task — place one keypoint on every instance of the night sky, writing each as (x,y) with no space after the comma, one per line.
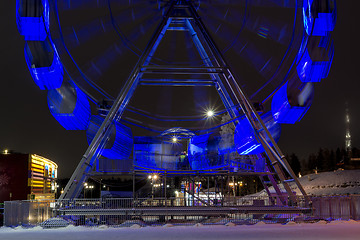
(28,127)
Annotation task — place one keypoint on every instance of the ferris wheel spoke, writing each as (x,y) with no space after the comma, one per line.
(78,4)
(81,34)
(220,3)
(96,67)
(255,3)
(133,34)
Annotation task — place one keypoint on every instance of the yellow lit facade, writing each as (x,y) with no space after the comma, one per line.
(42,177)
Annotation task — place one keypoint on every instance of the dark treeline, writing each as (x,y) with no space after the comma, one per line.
(323,160)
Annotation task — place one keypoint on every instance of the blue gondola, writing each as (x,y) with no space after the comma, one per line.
(286,111)
(44,64)
(244,137)
(156,153)
(198,151)
(319,16)
(315,62)
(121,141)
(32,17)
(70,106)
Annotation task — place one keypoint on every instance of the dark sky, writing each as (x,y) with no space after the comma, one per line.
(27,125)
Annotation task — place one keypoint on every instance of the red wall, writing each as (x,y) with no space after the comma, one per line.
(14,176)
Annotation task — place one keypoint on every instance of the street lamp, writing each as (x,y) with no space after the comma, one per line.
(86,187)
(153,178)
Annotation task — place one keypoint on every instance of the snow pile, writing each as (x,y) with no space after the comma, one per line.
(260,231)
(54,223)
(341,182)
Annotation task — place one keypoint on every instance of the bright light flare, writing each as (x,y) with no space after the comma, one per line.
(210,113)
(174,139)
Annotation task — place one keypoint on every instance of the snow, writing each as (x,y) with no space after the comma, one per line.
(333,230)
(340,182)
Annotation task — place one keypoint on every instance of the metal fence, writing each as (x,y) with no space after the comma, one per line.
(153,211)
(1,213)
(337,207)
(27,212)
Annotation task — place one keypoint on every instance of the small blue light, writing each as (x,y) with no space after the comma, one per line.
(33,19)
(121,141)
(283,111)
(69,106)
(244,137)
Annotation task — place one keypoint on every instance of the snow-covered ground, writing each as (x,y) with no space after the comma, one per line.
(334,230)
(327,183)
(340,182)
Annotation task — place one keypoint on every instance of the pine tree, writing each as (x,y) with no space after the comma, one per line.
(312,162)
(295,163)
(320,160)
(332,161)
(226,133)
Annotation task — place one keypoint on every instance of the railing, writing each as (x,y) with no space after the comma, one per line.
(121,211)
(1,214)
(337,207)
(150,211)
(27,212)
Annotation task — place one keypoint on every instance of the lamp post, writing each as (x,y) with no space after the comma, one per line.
(153,179)
(86,187)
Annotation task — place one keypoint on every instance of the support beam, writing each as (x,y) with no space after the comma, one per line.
(75,184)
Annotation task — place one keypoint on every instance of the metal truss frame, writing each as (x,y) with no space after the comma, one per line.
(234,98)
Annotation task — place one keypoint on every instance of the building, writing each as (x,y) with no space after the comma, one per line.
(26,176)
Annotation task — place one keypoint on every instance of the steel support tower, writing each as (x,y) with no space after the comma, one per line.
(182,16)
(348,146)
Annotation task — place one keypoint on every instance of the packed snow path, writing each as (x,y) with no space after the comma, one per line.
(334,230)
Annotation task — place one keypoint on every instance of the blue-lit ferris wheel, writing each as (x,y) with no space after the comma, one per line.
(138,75)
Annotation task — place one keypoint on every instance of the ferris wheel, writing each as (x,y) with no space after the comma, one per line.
(123,68)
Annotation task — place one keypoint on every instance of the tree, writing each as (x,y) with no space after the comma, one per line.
(226,133)
(320,160)
(339,158)
(294,163)
(312,162)
(327,161)
(332,160)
